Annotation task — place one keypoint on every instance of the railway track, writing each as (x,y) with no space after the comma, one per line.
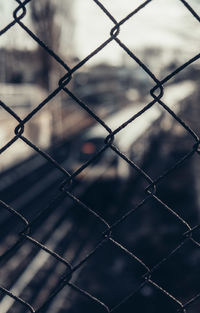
(54,230)
(61,232)
(31,272)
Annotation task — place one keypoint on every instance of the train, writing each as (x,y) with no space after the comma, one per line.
(133,140)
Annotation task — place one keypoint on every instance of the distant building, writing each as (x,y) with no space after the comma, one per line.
(18,66)
(22,99)
(111,86)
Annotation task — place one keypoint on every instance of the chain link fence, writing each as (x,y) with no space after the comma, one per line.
(148,282)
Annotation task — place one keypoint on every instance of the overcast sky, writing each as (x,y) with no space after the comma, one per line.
(163,23)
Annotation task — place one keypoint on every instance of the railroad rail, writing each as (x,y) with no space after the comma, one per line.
(38,179)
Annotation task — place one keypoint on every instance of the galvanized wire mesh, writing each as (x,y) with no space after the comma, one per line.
(65,189)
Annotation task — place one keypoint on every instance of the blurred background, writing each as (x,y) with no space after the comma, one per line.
(163,36)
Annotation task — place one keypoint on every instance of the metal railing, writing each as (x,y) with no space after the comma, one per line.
(65,191)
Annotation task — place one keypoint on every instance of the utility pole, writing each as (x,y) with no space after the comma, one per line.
(54,24)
